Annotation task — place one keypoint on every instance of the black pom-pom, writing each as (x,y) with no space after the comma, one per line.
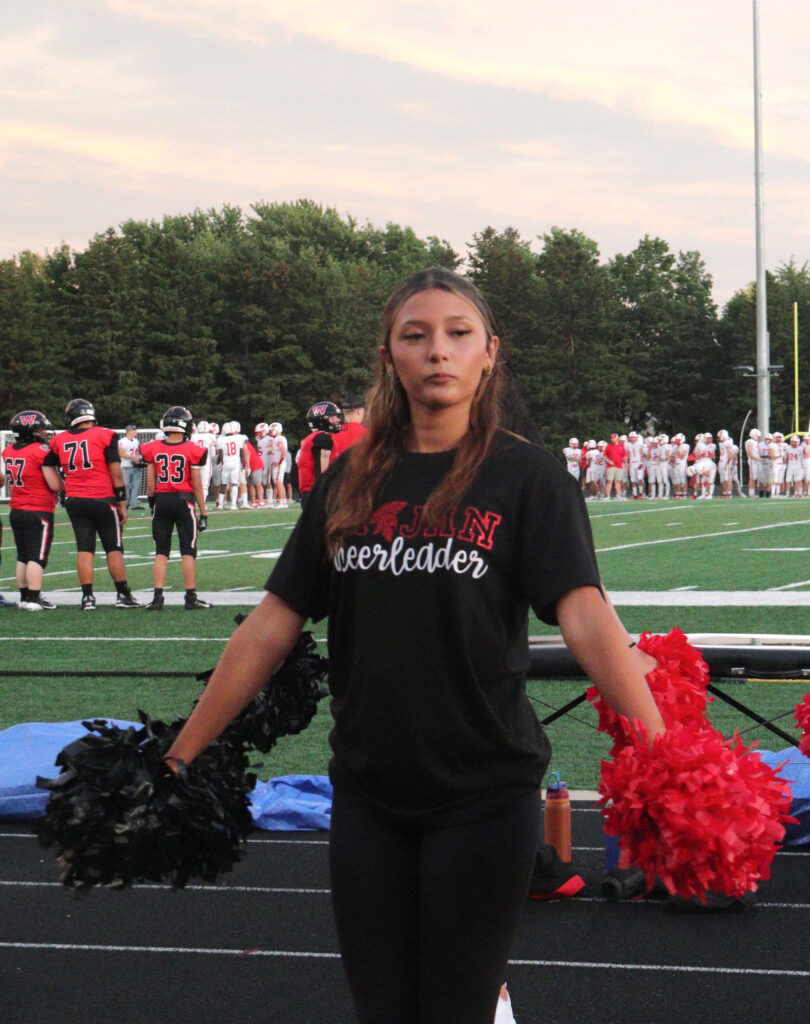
(288,702)
(117,814)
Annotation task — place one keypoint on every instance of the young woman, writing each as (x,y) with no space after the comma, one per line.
(426,545)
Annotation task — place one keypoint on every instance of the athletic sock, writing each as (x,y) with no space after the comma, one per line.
(87,589)
(23,593)
(121,586)
(33,595)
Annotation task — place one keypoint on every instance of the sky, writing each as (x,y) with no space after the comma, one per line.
(619,120)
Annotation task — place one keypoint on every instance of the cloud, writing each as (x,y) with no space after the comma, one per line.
(686,64)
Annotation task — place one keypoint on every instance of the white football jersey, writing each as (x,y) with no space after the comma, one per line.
(230,445)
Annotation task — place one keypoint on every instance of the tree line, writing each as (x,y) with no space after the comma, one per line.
(256,316)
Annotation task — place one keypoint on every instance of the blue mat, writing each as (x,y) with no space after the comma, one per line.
(289,802)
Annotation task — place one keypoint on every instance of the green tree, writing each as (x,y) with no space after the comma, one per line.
(668,327)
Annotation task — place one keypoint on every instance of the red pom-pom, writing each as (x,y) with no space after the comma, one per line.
(698,812)
(802,716)
(678,685)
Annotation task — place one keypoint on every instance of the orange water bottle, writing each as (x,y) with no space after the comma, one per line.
(558,817)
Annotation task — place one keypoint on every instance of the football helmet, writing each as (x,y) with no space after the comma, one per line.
(177,418)
(754,434)
(663,439)
(778,436)
(236,427)
(213,427)
(573,442)
(601,444)
(30,425)
(203,427)
(261,429)
(325,416)
(79,411)
(633,434)
(275,429)
(591,443)
(795,441)
(722,435)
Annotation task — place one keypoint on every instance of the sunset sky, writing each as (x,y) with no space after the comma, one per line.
(619,119)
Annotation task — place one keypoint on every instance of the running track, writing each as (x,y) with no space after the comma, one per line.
(261,947)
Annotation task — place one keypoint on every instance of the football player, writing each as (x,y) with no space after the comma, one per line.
(794,470)
(573,457)
(278,465)
(233,463)
(806,463)
(95,498)
(779,459)
(765,468)
(34,481)
(255,475)
(635,464)
(174,484)
(678,464)
(204,437)
(752,454)
(324,420)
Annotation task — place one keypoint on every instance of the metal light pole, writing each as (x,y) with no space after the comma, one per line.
(763,342)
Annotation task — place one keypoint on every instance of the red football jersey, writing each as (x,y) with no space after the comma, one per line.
(173,464)
(256,464)
(350,434)
(29,491)
(83,457)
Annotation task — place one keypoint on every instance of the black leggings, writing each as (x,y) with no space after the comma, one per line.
(426,914)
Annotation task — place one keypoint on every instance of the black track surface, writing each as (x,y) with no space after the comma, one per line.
(260,947)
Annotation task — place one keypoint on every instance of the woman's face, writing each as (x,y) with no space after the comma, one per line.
(439,349)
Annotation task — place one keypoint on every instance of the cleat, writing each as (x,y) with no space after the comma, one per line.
(126,600)
(48,606)
(156,604)
(30,606)
(193,603)
(88,603)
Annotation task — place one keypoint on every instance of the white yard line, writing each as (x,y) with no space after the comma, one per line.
(700,536)
(87,947)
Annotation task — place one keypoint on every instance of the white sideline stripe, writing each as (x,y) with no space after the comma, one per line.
(791,586)
(225,890)
(774,598)
(663,968)
(123,639)
(602,512)
(86,947)
(700,536)
(710,598)
(216,889)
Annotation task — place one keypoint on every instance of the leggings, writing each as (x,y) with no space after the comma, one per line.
(426,913)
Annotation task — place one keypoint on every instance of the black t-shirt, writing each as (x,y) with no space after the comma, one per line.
(428,629)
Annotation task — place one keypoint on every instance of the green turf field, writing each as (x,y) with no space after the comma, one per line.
(665,548)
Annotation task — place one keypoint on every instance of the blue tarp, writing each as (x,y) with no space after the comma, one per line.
(797,772)
(287,803)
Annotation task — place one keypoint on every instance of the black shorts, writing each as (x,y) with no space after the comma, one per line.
(33,534)
(174,509)
(95,516)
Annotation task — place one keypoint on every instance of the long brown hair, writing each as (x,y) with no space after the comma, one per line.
(371,461)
